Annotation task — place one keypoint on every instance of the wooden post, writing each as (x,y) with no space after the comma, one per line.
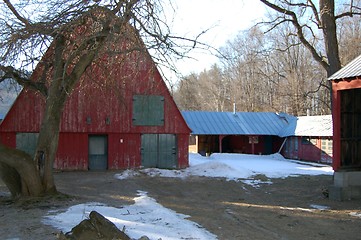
(220,138)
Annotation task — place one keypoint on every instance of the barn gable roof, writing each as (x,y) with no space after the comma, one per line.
(351,70)
(311,126)
(257,123)
(105,92)
(239,123)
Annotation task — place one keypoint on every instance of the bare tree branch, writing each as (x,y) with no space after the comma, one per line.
(299,30)
(16,14)
(315,14)
(22,79)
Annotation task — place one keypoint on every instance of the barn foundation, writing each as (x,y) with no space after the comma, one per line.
(346,186)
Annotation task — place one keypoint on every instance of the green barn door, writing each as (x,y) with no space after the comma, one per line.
(149,150)
(98,152)
(159,150)
(167,151)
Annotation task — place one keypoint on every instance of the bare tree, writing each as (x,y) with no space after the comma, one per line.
(349,34)
(300,77)
(64,39)
(187,93)
(213,89)
(306,18)
(284,70)
(244,62)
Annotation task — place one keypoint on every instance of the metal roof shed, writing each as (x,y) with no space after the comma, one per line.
(245,132)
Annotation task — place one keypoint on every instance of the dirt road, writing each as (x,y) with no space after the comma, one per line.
(228,209)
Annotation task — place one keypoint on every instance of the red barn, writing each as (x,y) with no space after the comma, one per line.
(346,111)
(120,115)
(309,138)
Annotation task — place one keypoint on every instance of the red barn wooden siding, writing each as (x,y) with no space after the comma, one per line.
(183,144)
(72,152)
(337,88)
(8,139)
(123,147)
(102,103)
(241,144)
(296,149)
(26,113)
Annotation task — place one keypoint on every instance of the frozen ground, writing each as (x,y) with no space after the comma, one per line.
(147,217)
(144,218)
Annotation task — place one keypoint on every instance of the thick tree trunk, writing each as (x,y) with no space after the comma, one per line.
(49,132)
(11,178)
(19,173)
(48,142)
(327,12)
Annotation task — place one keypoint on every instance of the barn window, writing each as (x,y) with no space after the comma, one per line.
(326,146)
(148,110)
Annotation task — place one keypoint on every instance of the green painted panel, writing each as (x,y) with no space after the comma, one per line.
(98,152)
(167,151)
(149,150)
(159,150)
(27,142)
(148,110)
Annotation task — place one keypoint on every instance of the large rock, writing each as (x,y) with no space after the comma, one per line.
(96,227)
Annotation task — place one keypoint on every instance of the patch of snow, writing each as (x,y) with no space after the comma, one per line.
(144,217)
(126,174)
(156,172)
(255,182)
(238,167)
(298,209)
(319,207)
(356,214)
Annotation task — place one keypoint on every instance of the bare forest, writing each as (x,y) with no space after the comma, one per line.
(268,68)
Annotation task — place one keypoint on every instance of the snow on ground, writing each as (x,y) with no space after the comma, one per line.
(319,207)
(356,214)
(238,167)
(145,217)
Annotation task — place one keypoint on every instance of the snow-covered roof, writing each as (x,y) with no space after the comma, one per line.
(352,69)
(312,126)
(239,123)
(257,123)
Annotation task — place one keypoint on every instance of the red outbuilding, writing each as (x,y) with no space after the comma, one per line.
(346,112)
(120,115)
(309,138)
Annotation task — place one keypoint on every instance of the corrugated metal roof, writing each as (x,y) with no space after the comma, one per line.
(312,126)
(257,123)
(240,123)
(353,69)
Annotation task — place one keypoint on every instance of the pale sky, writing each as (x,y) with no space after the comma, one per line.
(224,18)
